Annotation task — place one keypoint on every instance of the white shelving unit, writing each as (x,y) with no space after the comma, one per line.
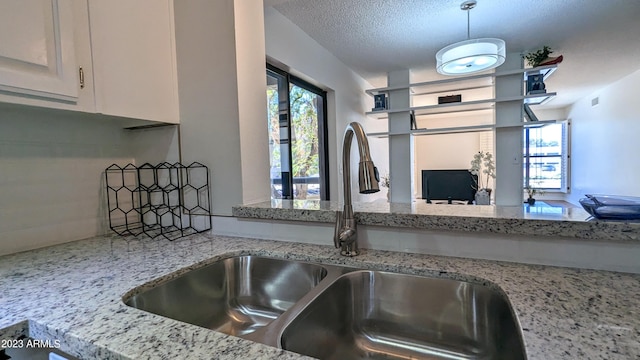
(494,103)
(447,86)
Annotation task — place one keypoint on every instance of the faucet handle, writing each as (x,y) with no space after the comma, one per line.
(338,229)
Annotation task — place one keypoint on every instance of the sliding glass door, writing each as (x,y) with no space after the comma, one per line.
(297,137)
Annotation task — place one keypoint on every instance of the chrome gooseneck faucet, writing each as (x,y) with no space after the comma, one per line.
(346,237)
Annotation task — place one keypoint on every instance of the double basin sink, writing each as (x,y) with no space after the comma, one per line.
(338,312)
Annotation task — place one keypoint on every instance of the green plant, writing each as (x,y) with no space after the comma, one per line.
(385,181)
(531,191)
(483,166)
(535,58)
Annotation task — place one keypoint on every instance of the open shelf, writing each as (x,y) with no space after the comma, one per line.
(438,109)
(464,129)
(529,124)
(449,84)
(436,131)
(546,71)
(454,107)
(475,105)
(539,99)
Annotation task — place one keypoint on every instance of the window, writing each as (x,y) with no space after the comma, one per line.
(296,111)
(546,157)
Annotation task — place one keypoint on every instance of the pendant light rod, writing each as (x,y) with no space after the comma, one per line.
(467,6)
(468,26)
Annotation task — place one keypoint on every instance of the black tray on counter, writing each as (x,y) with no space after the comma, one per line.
(612,207)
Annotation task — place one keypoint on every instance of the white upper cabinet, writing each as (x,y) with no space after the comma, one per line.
(112,57)
(134,61)
(37,52)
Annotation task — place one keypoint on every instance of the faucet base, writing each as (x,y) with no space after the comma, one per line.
(350,250)
(349,253)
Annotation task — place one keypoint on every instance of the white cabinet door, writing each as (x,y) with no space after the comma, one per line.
(37,55)
(134,60)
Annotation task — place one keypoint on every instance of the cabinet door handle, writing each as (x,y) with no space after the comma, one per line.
(81,73)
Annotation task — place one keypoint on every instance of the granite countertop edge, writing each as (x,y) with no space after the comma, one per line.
(587,230)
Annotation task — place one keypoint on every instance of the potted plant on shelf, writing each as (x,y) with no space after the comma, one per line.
(484,168)
(541,57)
(385,182)
(531,192)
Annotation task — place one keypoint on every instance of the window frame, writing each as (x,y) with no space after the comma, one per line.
(565,156)
(323,131)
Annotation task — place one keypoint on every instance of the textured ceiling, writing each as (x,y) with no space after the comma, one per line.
(600,39)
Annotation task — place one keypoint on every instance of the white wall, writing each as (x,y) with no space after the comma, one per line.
(52,162)
(51,175)
(443,152)
(289,45)
(447,151)
(552,114)
(605,143)
(221,82)
(155,145)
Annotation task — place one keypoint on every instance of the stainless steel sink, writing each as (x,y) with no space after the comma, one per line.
(380,315)
(235,296)
(338,312)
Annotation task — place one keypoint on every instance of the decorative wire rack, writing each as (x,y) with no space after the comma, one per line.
(164,200)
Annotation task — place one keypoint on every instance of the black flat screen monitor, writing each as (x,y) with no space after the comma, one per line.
(448,185)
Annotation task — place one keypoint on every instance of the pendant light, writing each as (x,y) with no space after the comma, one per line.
(471,55)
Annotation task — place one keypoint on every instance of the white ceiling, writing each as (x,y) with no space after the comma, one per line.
(600,39)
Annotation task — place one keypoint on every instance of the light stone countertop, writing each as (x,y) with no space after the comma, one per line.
(73,293)
(537,220)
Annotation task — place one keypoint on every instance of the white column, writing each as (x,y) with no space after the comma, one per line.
(508,183)
(252,100)
(221,85)
(400,146)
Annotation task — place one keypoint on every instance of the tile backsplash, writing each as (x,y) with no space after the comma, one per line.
(52,175)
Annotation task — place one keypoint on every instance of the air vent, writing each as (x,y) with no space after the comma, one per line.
(595,101)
